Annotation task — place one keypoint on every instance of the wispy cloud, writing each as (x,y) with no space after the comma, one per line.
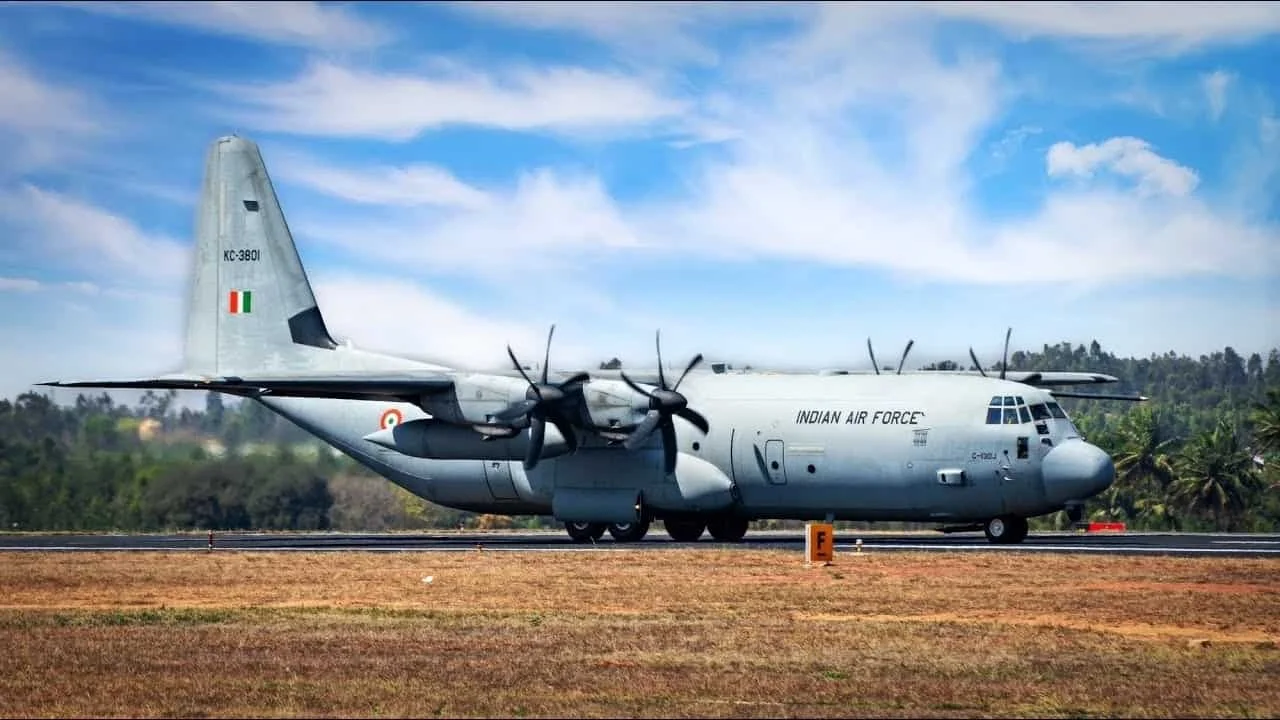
(42,122)
(332,100)
(407,186)
(1215,90)
(56,230)
(305,24)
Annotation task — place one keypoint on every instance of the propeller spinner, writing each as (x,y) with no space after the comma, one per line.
(664,402)
(543,403)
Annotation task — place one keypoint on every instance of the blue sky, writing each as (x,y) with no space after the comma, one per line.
(766,183)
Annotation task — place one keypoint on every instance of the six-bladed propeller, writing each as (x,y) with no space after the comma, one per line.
(543,403)
(665,402)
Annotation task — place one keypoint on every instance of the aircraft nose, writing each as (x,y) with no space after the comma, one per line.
(1076,470)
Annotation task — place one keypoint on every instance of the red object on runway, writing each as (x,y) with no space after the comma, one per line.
(1106,527)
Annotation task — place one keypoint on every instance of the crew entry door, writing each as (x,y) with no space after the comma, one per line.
(497,473)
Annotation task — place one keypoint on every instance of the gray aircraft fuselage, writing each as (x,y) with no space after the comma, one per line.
(857,447)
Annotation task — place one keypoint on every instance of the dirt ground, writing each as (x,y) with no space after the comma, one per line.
(728,633)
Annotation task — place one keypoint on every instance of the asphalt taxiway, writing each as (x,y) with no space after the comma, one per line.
(1203,545)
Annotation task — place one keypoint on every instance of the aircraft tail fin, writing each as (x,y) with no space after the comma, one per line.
(251,305)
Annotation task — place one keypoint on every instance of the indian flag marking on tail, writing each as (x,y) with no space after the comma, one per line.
(240,301)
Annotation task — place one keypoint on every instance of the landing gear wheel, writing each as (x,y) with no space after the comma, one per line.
(584,531)
(684,530)
(728,529)
(1006,529)
(629,532)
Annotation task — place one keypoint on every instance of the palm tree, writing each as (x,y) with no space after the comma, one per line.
(1266,422)
(1144,465)
(1216,476)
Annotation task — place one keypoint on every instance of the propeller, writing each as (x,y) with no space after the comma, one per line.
(664,402)
(1004,362)
(901,362)
(543,403)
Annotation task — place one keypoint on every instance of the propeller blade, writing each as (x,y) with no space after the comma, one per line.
(904,355)
(692,364)
(515,410)
(668,447)
(519,369)
(1004,362)
(632,384)
(977,364)
(537,434)
(643,430)
(546,360)
(657,342)
(874,365)
(566,430)
(695,418)
(575,380)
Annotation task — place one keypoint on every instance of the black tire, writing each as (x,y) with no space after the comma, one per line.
(728,529)
(1006,529)
(629,532)
(584,531)
(684,529)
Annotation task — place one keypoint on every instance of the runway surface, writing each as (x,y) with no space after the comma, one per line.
(1203,545)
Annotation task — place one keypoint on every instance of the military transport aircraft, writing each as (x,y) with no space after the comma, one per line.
(705,450)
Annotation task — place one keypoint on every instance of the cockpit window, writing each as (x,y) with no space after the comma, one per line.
(1024,414)
(1040,412)
(993,416)
(1010,416)
(1056,411)
(1010,410)
(1008,401)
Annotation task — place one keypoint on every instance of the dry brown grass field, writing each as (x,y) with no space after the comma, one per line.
(730,633)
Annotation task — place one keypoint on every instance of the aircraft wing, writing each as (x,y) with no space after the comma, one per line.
(389,387)
(1042,378)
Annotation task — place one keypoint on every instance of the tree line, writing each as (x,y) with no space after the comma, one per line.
(1203,454)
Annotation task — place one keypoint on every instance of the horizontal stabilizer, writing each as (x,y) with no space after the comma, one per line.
(389,387)
(1097,396)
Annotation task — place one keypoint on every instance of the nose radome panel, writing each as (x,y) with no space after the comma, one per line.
(1076,470)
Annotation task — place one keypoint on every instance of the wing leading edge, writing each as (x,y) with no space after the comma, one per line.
(387,387)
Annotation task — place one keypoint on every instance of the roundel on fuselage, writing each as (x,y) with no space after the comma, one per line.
(390,418)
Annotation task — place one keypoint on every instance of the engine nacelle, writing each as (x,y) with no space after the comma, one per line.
(474,399)
(699,487)
(611,403)
(438,440)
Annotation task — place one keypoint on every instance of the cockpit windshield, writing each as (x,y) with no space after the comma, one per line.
(1013,410)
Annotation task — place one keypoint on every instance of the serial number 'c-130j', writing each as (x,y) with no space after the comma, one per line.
(702,450)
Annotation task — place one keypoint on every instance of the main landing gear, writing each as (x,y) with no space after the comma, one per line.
(622,532)
(1006,529)
(681,529)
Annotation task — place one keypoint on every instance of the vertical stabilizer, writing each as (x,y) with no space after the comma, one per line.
(252,310)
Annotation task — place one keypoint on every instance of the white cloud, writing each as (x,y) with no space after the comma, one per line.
(58,229)
(306,24)
(668,30)
(331,100)
(1126,156)
(41,122)
(407,186)
(1193,24)
(546,220)
(399,317)
(1215,90)
(9,284)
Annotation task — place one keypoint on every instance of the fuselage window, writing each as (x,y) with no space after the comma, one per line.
(1024,414)
(1040,412)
